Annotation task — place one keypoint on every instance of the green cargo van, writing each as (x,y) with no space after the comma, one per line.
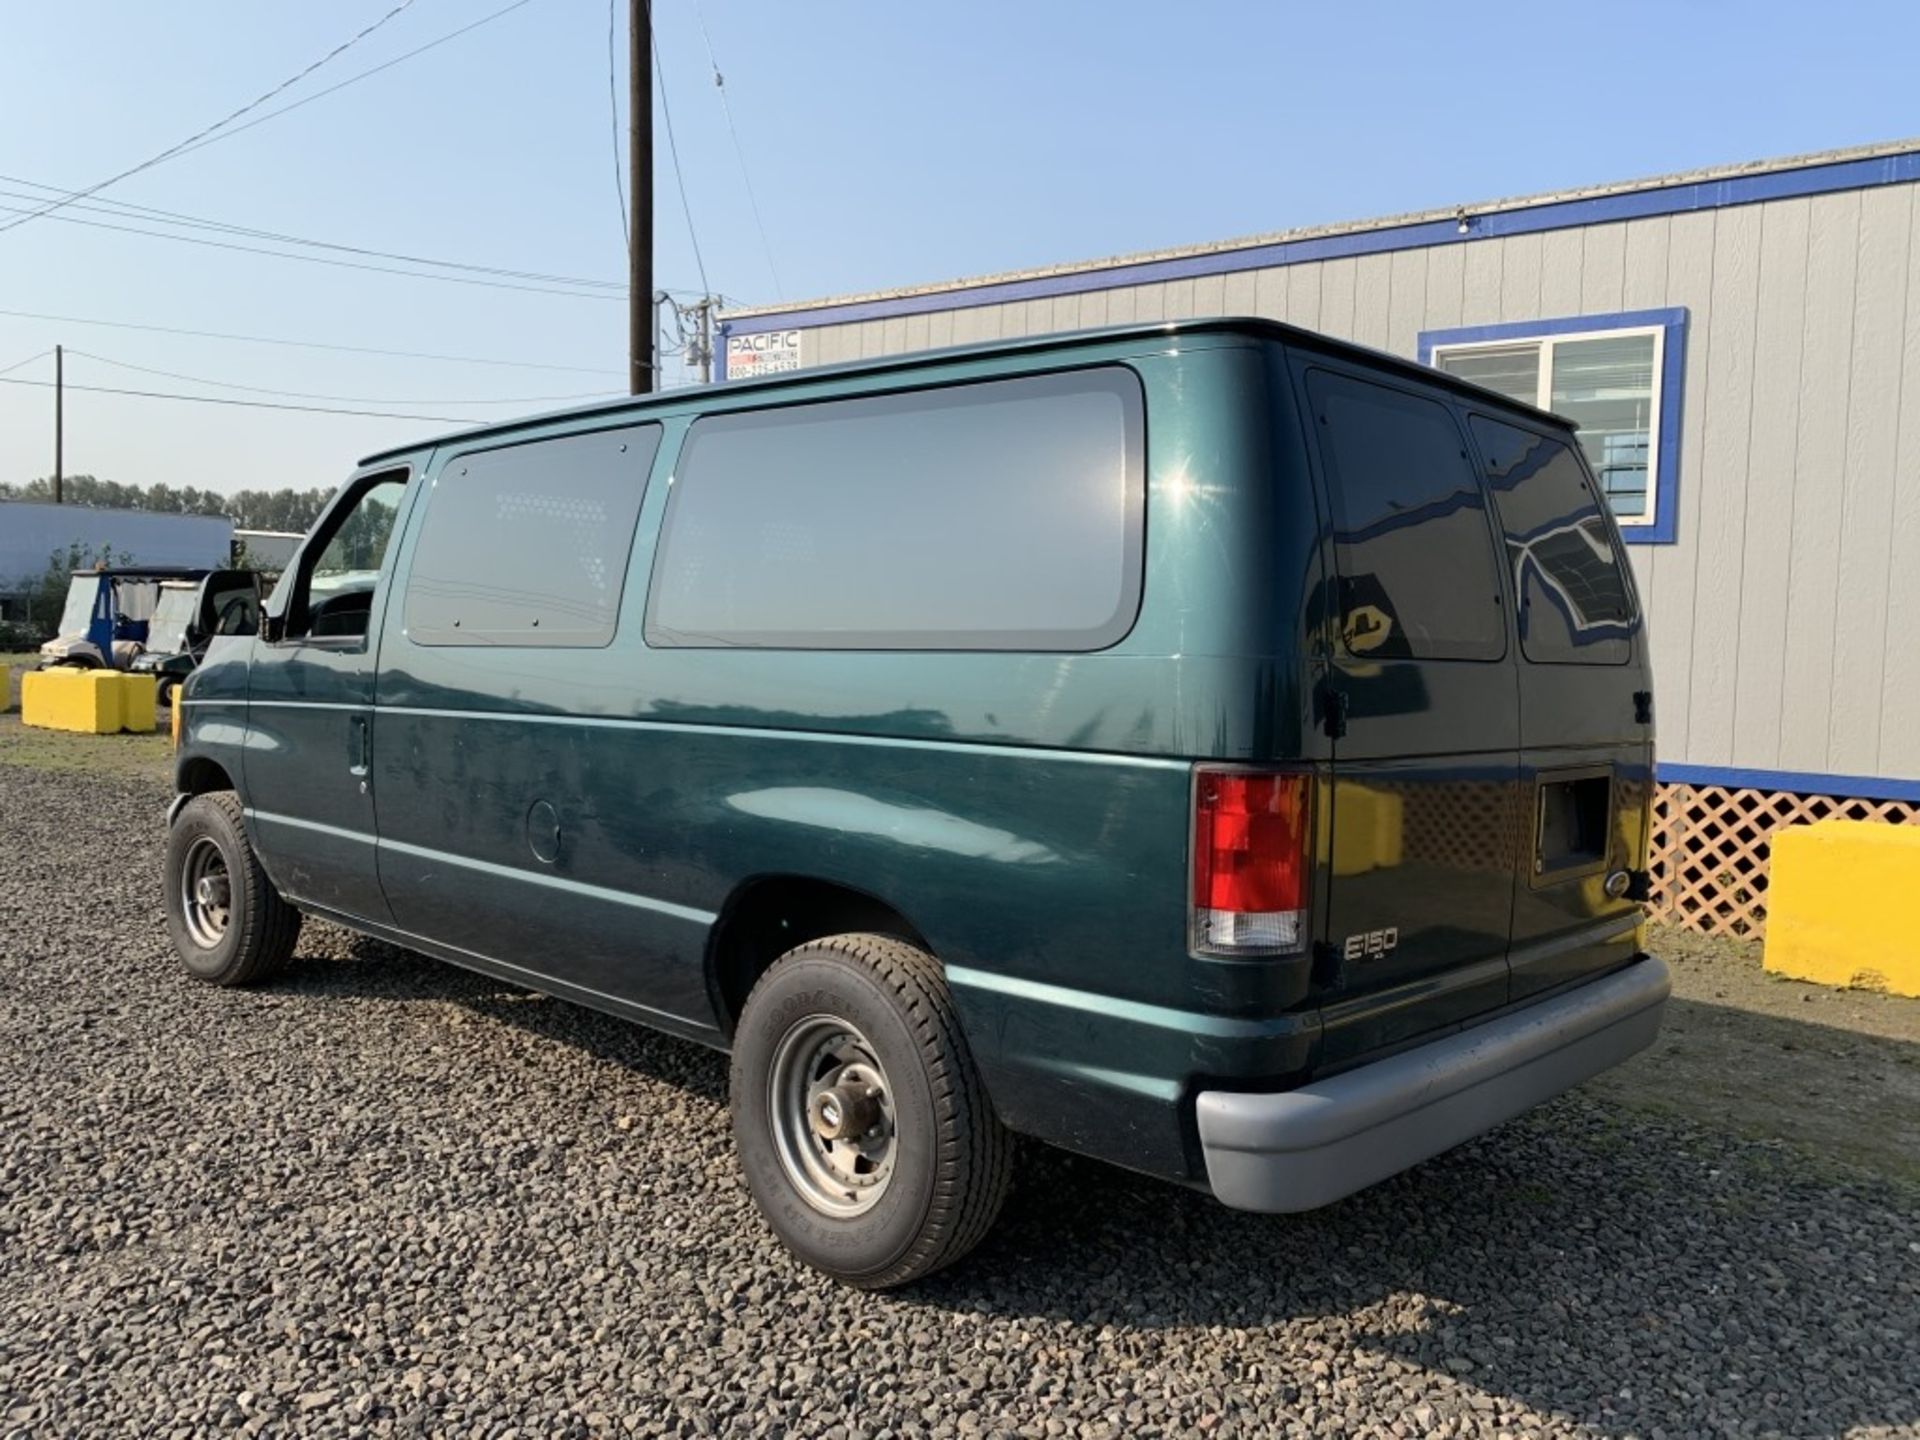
(1211,747)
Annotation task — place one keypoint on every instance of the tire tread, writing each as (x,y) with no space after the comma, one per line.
(271,927)
(977,1149)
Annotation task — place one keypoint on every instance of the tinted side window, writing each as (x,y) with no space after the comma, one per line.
(1575,603)
(1000,516)
(1418,579)
(528,545)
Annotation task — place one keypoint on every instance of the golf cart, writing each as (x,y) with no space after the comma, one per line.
(185,621)
(111,615)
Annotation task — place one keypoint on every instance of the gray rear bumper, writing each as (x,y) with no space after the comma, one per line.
(1308,1147)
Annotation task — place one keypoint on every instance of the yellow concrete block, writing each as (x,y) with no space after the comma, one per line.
(1843,899)
(88,701)
(138,709)
(1364,830)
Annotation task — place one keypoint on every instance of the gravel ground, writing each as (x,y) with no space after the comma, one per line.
(388,1197)
(1835,1071)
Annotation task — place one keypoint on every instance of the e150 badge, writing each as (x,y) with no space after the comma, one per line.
(1370,944)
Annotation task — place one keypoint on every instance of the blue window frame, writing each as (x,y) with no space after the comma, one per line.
(1619,376)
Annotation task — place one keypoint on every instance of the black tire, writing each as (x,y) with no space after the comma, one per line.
(951,1159)
(258,933)
(163,695)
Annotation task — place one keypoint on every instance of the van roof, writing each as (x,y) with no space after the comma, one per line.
(1256,326)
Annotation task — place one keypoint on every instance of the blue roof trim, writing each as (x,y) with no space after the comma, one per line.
(1803,782)
(1521,220)
(1663,529)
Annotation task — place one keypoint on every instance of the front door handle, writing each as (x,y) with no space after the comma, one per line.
(359,745)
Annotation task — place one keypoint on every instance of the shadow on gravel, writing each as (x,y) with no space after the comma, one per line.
(376,970)
(1631,1270)
(1541,1264)
(1836,1090)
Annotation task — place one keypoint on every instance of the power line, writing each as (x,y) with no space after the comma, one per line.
(219,124)
(343,399)
(247,404)
(22,364)
(739,153)
(353,79)
(122,209)
(309,344)
(613,121)
(679,178)
(315,259)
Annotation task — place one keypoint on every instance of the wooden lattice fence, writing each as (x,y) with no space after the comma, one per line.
(1711,845)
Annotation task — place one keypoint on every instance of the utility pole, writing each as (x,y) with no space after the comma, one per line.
(641,355)
(59,418)
(703,339)
(657,309)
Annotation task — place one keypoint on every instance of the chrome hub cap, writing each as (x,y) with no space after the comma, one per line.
(832,1115)
(206,893)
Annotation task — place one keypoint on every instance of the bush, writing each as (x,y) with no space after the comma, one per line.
(20,637)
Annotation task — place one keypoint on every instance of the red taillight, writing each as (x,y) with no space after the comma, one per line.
(1250,862)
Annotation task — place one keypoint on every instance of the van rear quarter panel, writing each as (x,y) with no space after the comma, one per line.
(1027,813)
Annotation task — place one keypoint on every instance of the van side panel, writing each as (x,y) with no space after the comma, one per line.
(1027,813)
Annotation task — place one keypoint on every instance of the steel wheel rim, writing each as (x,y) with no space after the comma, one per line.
(206,893)
(832,1114)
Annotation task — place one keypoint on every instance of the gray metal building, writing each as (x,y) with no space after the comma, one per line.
(1742,348)
(31,533)
(1776,411)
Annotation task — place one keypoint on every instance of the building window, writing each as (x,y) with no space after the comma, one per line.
(1616,376)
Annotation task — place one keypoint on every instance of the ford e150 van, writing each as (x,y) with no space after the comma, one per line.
(1212,748)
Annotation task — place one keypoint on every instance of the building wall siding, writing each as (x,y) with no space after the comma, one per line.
(32,534)
(1778,619)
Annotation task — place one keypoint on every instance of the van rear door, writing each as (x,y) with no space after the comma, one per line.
(1423,706)
(1586,754)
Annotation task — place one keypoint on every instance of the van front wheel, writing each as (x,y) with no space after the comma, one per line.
(864,1129)
(228,924)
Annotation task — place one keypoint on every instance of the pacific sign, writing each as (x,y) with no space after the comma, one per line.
(768,353)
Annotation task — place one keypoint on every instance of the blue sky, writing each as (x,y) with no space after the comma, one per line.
(888,144)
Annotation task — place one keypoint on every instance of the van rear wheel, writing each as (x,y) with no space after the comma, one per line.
(863,1127)
(228,924)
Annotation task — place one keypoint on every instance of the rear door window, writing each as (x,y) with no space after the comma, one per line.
(1418,577)
(1576,605)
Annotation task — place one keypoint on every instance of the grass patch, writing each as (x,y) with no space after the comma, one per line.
(12,662)
(59,750)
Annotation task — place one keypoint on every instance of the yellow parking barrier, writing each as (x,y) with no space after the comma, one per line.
(137,703)
(88,702)
(1841,904)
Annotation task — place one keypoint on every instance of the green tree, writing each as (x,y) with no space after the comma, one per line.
(283,509)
